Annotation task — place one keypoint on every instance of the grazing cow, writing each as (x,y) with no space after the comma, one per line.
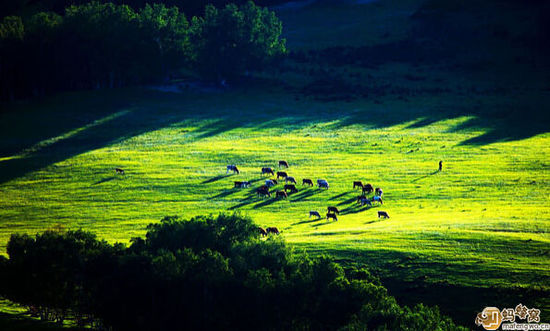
(377,198)
(270,182)
(242,184)
(307,181)
(364,201)
(333,209)
(383,214)
(290,179)
(281,174)
(267,171)
(283,164)
(272,229)
(331,215)
(440,165)
(263,191)
(314,213)
(322,183)
(367,188)
(262,231)
(232,168)
(281,194)
(357,184)
(119,171)
(378,192)
(291,187)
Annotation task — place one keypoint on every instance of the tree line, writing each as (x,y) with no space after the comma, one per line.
(203,273)
(193,7)
(98,45)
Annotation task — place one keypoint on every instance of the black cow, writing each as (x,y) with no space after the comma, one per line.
(290,187)
(331,215)
(281,174)
(307,181)
(383,214)
(267,171)
(314,213)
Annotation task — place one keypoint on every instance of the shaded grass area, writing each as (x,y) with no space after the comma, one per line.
(11,322)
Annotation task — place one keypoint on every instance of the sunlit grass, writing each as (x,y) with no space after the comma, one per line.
(485,214)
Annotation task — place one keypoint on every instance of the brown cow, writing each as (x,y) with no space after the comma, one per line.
(262,231)
(333,209)
(357,184)
(263,191)
(290,187)
(281,174)
(283,163)
(331,215)
(307,181)
(281,194)
(272,229)
(383,214)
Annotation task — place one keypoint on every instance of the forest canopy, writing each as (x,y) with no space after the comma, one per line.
(208,272)
(97,45)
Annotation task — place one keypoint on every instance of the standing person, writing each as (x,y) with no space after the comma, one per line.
(440,165)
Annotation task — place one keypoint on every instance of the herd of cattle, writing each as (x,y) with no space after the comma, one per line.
(290,187)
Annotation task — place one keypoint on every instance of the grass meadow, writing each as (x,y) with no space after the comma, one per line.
(482,222)
(473,235)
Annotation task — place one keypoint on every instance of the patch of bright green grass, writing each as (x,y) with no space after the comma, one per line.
(483,220)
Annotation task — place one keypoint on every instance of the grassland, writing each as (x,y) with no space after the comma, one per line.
(474,233)
(483,221)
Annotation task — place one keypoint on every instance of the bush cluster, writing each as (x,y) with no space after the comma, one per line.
(203,273)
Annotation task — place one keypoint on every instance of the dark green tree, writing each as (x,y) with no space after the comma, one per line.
(233,40)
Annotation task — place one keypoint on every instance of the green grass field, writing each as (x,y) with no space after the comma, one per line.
(483,221)
(466,235)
